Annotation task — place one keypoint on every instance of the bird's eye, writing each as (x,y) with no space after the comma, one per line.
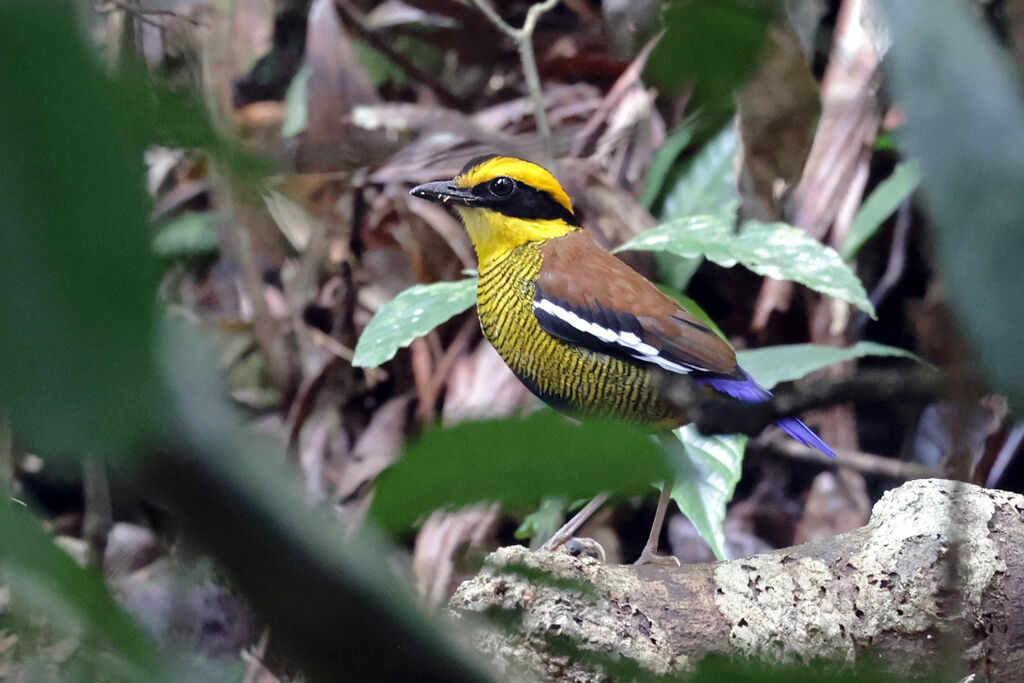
(503,186)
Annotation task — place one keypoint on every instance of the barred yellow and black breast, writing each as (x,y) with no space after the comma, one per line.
(579,327)
(567,376)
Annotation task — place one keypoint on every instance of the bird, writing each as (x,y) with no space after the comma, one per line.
(581,329)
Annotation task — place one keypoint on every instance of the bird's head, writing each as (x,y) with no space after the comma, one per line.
(504,202)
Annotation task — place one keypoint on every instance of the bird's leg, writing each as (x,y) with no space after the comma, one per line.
(578,520)
(650,551)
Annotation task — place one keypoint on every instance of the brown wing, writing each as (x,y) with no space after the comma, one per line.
(587,296)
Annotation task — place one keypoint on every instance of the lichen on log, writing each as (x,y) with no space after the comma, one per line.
(936,578)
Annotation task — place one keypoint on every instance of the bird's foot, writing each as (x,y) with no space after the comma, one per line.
(649,556)
(588,547)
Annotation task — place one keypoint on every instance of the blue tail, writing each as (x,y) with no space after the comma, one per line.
(752,392)
(796,428)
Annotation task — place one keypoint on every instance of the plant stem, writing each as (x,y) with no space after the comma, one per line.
(6,458)
(523,38)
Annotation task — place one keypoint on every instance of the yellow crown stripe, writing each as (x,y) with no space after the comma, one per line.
(524,171)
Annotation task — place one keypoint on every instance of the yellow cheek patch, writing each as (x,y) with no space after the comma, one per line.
(524,171)
(494,234)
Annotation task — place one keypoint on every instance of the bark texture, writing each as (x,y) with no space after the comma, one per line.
(936,577)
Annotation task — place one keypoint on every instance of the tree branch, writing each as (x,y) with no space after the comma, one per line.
(144,14)
(878,594)
(865,463)
(720,415)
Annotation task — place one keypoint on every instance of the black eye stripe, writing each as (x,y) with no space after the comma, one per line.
(526,202)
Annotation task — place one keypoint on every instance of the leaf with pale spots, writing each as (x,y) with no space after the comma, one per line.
(774,250)
(709,468)
(411,314)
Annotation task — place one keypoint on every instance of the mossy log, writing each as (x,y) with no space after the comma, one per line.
(936,578)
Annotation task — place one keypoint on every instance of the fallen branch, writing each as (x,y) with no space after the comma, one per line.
(859,461)
(719,415)
(883,594)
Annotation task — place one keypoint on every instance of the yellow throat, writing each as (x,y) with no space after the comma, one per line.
(494,234)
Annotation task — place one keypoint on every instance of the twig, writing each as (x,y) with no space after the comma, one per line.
(6,458)
(629,78)
(523,38)
(237,242)
(99,516)
(443,368)
(255,669)
(141,13)
(727,416)
(1005,455)
(865,463)
(894,267)
(357,21)
(572,526)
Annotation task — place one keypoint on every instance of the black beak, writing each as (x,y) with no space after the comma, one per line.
(444,191)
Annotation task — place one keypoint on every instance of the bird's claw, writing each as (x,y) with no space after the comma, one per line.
(649,557)
(588,547)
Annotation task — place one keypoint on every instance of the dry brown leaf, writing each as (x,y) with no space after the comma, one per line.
(443,222)
(842,143)
(129,547)
(337,83)
(624,85)
(481,386)
(376,449)
(440,538)
(778,112)
(314,446)
(838,502)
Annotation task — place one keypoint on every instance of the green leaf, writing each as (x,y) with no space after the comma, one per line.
(175,118)
(191,234)
(706,182)
(518,462)
(328,599)
(76,271)
(411,314)
(379,66)
(710,468)
(542,524)
(787,363)
(774,250)
(296,101)
(45,580)
(712,45)
(965,126)
(885,199)
(677,141)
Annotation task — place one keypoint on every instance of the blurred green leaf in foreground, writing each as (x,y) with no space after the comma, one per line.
(517,462)
(78,305)
(965,126)
(80,376)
